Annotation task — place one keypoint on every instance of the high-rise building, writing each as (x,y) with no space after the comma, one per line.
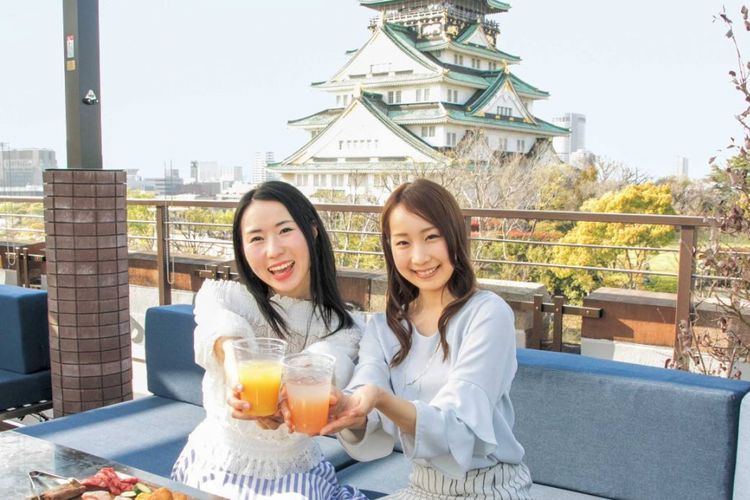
(430,75)
(211,171)
(260,172)
(21,168)
(681,164)
(566,145)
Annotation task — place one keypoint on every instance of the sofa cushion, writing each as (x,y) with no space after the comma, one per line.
(170,358)
(742,474)
(24,331)
(17,389)
(652,433)
(385,475)
(146,433)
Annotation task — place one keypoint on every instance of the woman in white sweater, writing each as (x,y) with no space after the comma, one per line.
(288,290)
(435,369)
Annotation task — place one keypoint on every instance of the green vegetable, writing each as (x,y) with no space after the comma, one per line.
(142,488)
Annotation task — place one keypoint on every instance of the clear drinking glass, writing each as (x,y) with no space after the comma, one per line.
(307,378)
(256,363)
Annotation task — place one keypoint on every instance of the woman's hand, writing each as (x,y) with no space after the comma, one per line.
(240,408)
(351,411)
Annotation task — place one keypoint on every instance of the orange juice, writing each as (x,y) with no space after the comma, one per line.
(309,405)
(260,379)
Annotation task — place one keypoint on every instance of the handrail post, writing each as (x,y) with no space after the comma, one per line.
(535,342)
(18,266)
(684,291)
(25,265)
(557,322)
(162,259)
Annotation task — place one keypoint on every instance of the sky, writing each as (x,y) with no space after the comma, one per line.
(218,80)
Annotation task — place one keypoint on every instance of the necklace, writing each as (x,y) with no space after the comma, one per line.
(421,374)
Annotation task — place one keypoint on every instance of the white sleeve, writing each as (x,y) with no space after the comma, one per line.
(220,310)
(372,368)
(343,346)
(458,423)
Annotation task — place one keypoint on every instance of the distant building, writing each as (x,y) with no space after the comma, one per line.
(565,146)
(22,168)
(681,167)
(211,171)
(260,173)
(202,189)
(581,158)
(169,185)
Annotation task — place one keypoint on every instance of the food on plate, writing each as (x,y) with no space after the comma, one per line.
(107,479)
(97,495)
(65,491)
(162,494)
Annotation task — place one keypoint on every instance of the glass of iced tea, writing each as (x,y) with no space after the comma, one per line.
(257,365)
(307,378)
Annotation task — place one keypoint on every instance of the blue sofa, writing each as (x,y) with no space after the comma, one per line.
(148,433)
(24,355)
(591,428)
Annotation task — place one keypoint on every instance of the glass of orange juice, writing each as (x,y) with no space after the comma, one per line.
(257,366)
(307,378)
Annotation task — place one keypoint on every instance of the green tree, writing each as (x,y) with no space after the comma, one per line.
(140,223)
(641,199)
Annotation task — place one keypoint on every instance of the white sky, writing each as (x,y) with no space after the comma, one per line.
(217,80)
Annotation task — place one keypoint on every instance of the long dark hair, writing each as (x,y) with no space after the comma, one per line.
(324,291)
(436,205)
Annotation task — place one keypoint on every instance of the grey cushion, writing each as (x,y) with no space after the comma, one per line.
(385,475)
(334,452)
(626,431)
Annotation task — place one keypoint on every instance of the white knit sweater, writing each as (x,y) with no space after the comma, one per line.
(227,309)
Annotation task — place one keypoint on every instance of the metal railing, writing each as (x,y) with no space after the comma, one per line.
(687,226)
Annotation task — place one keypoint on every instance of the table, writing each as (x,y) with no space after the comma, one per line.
(20,454)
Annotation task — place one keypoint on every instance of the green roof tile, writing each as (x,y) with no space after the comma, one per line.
(492,4)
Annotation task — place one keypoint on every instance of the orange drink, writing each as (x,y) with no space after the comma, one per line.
(260,381)
(256,364)
(309,406)
(307,378)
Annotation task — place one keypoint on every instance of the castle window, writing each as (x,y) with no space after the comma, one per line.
(394,97)
(452,95)
(428,131)
(475,63)
(458,59)
(450,139)
(502,144)
(504,111)
(521,145)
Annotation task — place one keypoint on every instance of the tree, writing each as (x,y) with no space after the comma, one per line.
(642,199)
(722,258)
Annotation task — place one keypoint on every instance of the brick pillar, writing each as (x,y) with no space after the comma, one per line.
(87,278)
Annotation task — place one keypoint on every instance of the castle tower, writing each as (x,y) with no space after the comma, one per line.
(431,74)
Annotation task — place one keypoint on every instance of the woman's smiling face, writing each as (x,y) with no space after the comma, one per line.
(420,252)
(275,248)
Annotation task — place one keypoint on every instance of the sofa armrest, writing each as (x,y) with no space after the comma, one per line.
(742,465)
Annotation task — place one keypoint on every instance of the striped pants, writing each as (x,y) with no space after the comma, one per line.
(502,481)
(319,483)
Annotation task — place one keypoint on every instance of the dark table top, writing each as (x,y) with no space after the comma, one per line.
(20,454)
